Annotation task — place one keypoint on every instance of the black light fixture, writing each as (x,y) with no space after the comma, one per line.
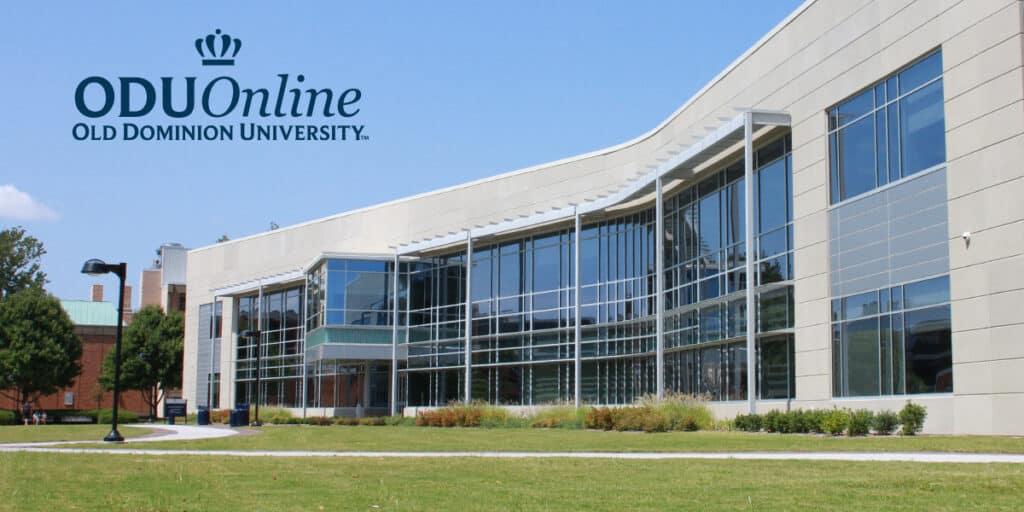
(250,334)
(95,267)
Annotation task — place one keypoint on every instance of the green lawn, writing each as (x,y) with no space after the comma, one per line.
(44,433)
(366,438)
(38,481)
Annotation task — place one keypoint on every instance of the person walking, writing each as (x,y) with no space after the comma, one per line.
(26,412)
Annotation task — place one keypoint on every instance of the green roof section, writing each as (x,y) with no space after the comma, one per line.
(84,312)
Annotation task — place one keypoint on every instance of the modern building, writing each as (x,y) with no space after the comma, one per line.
(96,325)
(833,220)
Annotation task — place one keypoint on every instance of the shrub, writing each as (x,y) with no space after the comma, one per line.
(772,421)
(627,418)
(813,419)
(277,420)
(469,415)
(860,422)
(748,422)
(8,418)
(341,420)
(321,421)
(270,412)
(688,424)
(373,421)
(653,420)
(885,423)
(559,416)
(599,418)
(220,416)
(684,412)
(107,416)
(912,417)
(399,420)
(835,422)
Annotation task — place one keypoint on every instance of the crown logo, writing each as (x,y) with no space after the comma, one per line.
(208,46)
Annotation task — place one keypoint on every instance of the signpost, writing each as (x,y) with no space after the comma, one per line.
(175,407)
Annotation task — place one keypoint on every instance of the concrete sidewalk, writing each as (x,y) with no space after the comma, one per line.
(160,433)
(192,432)
(933,457)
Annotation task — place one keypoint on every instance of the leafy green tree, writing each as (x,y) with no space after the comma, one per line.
(151,355)
(39,350)
(19,262)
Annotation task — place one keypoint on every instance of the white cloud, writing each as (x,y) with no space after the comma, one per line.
(18,205)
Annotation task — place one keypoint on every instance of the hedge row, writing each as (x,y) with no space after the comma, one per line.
(649,414)
(835,422)
(58,416)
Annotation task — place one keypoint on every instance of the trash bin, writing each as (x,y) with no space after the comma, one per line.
(233,418)
(243,413)
(203,416)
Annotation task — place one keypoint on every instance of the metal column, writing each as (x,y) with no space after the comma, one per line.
(659,277)
(213,345)
(469,317)
(748,205)
(578,368)
(305,373)
(394,340)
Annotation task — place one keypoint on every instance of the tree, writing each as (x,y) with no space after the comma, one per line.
(19,262)
(39,350)
(151,355)
(222,239)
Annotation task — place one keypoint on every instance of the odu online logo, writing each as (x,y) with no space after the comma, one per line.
(194,102)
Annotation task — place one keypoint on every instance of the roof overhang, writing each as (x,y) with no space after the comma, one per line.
(255,284)
(683,163)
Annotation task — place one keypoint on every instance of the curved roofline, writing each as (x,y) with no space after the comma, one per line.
(610,149)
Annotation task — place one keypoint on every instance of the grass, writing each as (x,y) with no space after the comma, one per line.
(48,433)
(34,481)
(339,438)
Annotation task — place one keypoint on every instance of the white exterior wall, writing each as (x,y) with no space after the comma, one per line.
(825,52)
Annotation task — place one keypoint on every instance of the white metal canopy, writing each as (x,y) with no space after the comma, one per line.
(711,145)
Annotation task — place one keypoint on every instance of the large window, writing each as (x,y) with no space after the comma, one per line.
(889,131)
(706,278)
(278,318)
(893,341)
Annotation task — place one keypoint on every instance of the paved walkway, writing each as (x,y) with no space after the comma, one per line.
(160,433)
(972,458)
(190,432)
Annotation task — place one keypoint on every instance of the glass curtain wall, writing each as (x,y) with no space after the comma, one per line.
(281,345)
(522,296)
(436,339)
(705,281)
(617,307)
(352,301)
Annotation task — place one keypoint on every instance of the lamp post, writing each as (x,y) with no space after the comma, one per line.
(250,334)
(95,267)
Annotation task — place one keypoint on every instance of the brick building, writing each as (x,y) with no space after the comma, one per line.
(96,324)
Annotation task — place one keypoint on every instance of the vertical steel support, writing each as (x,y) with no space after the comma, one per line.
(659,277)
(394,339)
(259,340)
(468,393)
(213,344)
(305,372)
(577,326)
(751,252)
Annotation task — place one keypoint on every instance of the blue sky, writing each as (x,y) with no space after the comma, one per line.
(452,92)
